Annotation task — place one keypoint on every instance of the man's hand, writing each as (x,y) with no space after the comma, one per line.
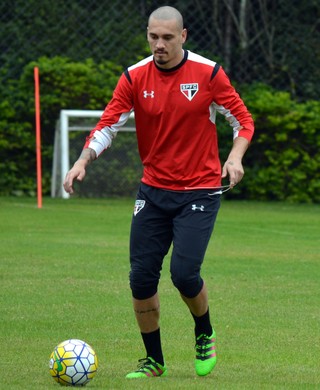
(78,171)
(233,166)
(234,169)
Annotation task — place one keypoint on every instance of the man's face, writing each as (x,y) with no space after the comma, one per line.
(166,40)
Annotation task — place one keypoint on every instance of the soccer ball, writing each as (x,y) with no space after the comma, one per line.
(73,363)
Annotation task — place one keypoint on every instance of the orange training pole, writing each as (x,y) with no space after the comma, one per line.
(38,136)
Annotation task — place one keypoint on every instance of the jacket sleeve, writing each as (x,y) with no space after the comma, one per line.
(115,115)
(228,103)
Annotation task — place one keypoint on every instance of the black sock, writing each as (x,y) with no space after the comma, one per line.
(152,343)
(203,325)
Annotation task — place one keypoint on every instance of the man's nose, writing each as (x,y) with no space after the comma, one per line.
(160,44)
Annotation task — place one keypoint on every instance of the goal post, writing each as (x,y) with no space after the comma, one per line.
(86,119)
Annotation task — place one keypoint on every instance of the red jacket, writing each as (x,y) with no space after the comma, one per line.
(175,113)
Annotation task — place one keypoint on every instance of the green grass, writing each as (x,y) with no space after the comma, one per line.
(64,274)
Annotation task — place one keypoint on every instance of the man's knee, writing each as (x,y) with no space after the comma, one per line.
(188,286)
(142,284)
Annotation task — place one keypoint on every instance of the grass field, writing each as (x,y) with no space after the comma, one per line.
(64,274)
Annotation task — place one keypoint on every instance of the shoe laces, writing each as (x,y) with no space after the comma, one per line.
(150,367)
(203,344)
(145,362)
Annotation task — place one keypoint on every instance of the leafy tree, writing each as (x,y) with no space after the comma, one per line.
(64,84)
(283,162)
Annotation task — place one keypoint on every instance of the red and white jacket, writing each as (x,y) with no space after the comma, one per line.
(175,114)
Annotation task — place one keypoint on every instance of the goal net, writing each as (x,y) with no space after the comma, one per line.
(116,172)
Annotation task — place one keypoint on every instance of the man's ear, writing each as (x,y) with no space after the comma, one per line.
(184,35)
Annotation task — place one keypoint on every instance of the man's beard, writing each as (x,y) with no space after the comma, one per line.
(161,61)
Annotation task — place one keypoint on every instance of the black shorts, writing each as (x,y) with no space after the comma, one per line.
(162,218)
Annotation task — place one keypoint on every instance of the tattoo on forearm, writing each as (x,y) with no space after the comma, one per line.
(88,155)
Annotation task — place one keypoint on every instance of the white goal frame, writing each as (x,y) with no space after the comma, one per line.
(61,165)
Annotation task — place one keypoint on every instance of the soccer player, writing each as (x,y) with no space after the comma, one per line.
(175,95)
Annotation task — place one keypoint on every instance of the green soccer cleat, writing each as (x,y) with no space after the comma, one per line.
(206,357)
(148,368)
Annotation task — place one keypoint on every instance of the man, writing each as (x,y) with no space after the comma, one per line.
(175,95)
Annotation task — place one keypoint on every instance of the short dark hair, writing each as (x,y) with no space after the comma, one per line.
(167,13)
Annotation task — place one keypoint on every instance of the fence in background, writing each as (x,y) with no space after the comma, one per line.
(273,41)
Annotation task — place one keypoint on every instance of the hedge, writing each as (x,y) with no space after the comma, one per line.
(282,163)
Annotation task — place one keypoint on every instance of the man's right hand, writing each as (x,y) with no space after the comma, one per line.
(77,172)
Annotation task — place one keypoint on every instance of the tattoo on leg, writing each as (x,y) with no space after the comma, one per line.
(147,310)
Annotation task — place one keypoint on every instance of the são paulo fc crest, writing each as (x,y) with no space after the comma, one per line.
(189,90)
(138,206)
